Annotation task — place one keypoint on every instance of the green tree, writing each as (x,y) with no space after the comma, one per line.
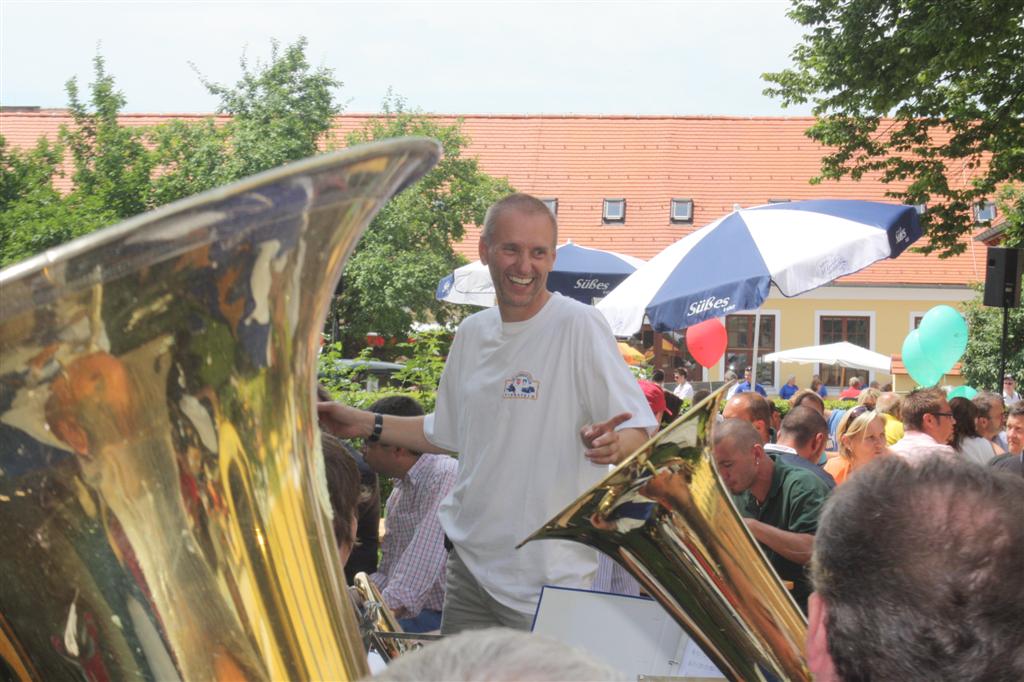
(980,364)
(191,156)
(111,173)
(922,92)
(981,360)
(34,215)
(280,111)
(390,280)
(111,162)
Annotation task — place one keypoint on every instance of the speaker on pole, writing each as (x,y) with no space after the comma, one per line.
(1003,271)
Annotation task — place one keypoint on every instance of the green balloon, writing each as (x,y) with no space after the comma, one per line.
(918,364)
(943,336)
(962,392)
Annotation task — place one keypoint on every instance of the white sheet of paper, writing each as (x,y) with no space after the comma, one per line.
(631,634)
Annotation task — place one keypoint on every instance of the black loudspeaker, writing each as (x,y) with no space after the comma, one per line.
(1003,271)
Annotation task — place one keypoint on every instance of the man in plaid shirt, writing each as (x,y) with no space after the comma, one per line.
(411,575)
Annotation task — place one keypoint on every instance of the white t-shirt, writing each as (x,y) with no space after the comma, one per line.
(684,391)
(512,401)
(977,450)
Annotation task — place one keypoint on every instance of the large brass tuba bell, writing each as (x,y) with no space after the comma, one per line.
(665,516)
(161,511)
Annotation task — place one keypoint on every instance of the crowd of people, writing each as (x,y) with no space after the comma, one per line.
(537,402)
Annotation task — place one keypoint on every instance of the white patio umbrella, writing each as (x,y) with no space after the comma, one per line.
(579,272)
(468,285)
(843,354)
(729,265)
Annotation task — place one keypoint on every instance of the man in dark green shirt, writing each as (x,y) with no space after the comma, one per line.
(779,502)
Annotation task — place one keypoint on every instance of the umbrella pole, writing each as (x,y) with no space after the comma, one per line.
(753,359)
(1002,351)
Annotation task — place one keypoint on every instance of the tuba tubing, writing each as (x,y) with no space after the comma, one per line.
(163,511)
(666,517)
(378,621)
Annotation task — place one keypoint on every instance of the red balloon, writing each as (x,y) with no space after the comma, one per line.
(707,341)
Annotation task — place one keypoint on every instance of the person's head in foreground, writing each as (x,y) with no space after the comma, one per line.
(498,655)
(917,575)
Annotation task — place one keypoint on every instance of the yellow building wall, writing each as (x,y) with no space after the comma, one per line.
(798,322)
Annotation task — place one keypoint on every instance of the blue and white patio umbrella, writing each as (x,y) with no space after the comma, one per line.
(730,265)
(579,272)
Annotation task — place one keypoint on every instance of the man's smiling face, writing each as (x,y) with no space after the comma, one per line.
(520,253)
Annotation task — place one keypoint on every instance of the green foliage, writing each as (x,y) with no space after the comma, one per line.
(111,161)
(34,216)
(343,384)
(280,111)
(950,75)
(980,364)
(1010,201)
(426,353)
(111,169)
(43,219)
(191,156)
(389,282)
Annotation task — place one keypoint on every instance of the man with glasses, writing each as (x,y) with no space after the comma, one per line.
(927,424)
(1010,395)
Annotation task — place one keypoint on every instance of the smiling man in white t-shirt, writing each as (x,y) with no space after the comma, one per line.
(537,401)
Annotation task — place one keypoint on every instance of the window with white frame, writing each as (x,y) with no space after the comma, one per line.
(552,204)
(614,211)
(682,211)
(740,351)
(984,211)
(855,329)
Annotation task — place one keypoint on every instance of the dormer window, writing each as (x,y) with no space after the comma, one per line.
(614,211)
(984,211)
(682,211)
(552,205)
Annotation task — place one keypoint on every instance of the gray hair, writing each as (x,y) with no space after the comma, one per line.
(498,655)
(524,203)
(985,401)
(919,565)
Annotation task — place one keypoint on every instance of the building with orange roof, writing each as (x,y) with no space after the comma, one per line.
(665,176)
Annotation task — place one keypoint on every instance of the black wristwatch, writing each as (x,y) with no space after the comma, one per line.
(378,426)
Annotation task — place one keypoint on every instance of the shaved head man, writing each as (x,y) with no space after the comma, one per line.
(780,502)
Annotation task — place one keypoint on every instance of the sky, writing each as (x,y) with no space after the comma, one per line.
(700,57)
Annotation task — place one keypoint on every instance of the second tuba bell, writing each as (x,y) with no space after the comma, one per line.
(665,516)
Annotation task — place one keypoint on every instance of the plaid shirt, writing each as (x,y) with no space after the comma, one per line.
(411,574)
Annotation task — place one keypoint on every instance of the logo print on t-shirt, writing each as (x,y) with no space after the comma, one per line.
(521,386)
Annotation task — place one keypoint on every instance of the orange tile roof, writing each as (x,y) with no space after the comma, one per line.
(648,160)
(899,368)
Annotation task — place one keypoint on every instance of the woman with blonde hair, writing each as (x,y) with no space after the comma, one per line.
(860,438)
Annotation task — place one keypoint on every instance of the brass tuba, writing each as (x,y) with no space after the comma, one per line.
(378,625)
(665,516)
(162,512)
